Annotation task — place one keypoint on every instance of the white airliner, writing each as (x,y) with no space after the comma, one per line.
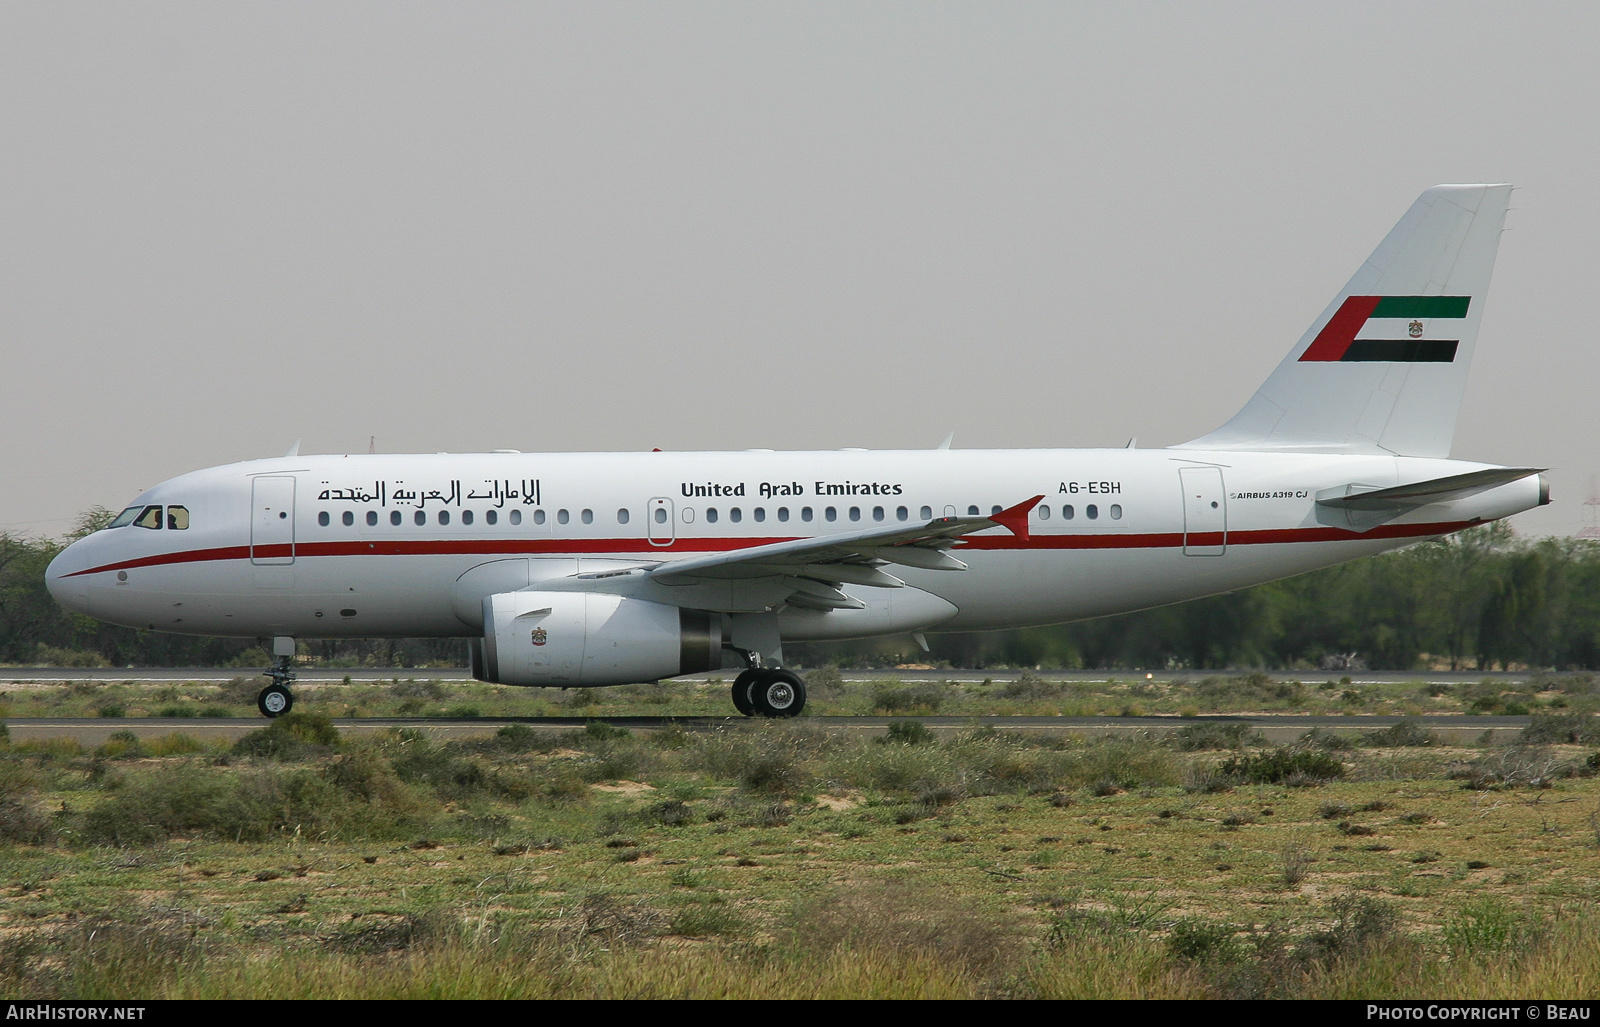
(579,570)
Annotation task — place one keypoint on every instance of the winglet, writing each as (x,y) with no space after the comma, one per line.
(1015,520)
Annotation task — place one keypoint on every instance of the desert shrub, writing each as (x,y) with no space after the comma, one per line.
(707,918)
(1289,765)
(1569,728)
(1359,921)
(1322,738)
(907,732)
(426,690)
(1515,766)
(1406,733)
(242,691)
(768,758)
(898,768)
(1247,688)
(1194,941)
(671,813)
(927,696)
(1031,686)
(1214,735)
(824,682)
(293,736)
(182,800)
(900,917)
(50,656)
(122,745)
(1577,683)
(1489,927)
(21,821)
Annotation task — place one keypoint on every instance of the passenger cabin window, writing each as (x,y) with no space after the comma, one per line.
(1116,511)
(831,514)
(420,517)
(516,517)
(588,516)
(736,515)
(322,518)
(711,515)
(972,511)
(491,516)
(1066,512)
(538,517)
(372,518)
(349,518)
(1044,512)
(394,517)
(1091,511)
(150,518)
(761,513)
(622,516)
(805,513)
(444,516)
(466,517)
(178,518)
(562,517)
(783,513)
(902,514)
(926,513)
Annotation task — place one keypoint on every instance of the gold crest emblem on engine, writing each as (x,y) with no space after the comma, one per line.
(539,636)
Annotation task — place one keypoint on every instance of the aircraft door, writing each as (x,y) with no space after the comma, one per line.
(660,524)
(272,521)
(1205,511)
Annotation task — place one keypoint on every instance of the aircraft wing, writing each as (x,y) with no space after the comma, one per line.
(812,568)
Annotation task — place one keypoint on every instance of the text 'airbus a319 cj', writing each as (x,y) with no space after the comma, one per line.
(589,569)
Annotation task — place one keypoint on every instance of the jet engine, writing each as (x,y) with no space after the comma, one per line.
(586,639)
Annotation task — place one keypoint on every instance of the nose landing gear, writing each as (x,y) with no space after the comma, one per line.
(275,700)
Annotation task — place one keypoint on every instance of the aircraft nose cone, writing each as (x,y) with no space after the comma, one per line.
(71,592)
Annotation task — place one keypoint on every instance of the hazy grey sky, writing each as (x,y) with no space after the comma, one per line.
(225,226)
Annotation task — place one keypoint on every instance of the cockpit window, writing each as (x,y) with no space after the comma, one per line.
(125,517)
(177,518)
(150,518)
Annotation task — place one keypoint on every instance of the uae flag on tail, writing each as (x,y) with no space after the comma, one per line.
(1392,328)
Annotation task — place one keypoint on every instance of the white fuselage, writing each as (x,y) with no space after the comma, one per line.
(268,550)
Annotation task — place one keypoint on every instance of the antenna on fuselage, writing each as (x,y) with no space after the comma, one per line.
(294,451)
(372,444)
(947,440)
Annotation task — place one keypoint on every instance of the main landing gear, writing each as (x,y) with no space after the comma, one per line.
(275,700)
(769,692)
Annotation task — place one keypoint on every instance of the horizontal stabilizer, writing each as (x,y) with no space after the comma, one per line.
(1422,493)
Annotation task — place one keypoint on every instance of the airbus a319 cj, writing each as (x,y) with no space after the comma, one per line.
(581,570)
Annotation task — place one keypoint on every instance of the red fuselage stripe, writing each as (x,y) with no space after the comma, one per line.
(632,547)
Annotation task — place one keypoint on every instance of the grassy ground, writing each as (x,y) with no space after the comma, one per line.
(781,860)
(831,695)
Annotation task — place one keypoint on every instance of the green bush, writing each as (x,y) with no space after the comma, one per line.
(1406,733)
(1284,765)
(1214,735)
(906,732)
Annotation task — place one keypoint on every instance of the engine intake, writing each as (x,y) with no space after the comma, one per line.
(585,639)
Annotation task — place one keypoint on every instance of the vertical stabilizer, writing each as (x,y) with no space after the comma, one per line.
(1384,368)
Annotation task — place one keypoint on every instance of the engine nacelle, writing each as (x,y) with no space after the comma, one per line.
(586,639)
